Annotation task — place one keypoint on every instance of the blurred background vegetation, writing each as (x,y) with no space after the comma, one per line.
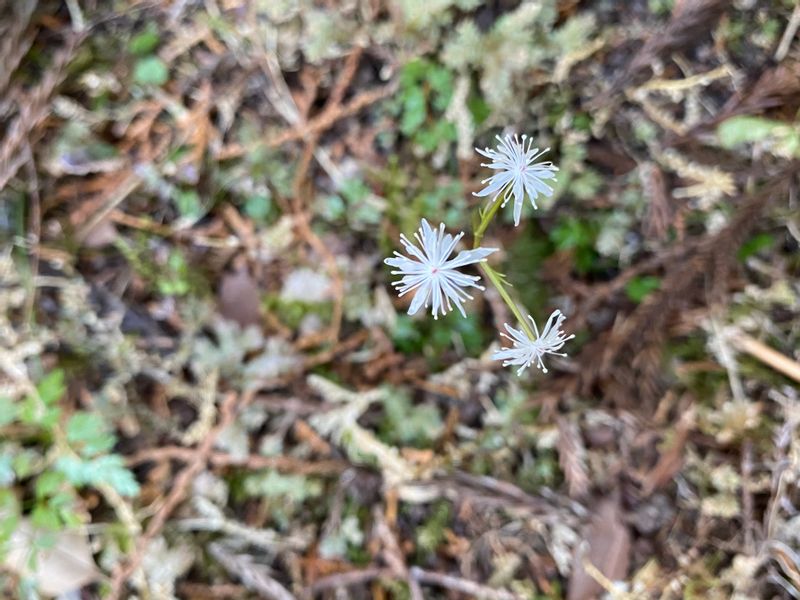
(208,389)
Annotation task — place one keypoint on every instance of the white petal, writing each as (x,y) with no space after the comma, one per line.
(420,298)
(468,257)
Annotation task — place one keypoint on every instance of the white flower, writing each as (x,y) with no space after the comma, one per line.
(435,278)
(526,350)
(518,172)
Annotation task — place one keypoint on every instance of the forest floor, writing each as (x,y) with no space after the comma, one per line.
(209,388)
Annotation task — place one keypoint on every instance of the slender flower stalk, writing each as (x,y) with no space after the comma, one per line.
(434,277)
(495,278)
(518,175)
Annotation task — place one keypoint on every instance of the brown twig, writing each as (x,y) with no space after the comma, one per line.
(303,226)
(16,42)
(251,575)
(254,461)
(772,358)
(463,586)
(34,232)
(318,124)
(345,77)
(328,118)
(348,579)
(176,495)
(33,109)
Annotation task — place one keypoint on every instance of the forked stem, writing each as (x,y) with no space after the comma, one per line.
(486,218)
(493,276)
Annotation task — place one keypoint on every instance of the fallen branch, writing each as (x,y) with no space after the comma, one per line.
(768,356)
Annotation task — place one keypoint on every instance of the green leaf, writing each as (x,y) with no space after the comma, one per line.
(46,517)
(7,474)
(51,387)
(406,336)
(89,434)
(432,533)
(572,233)
(741,130)
(479,109)
(32,412)
(406,423)
(413,72)
(25,461)
(144,42)
(8,411)
(48,483)
(109,469)
(755,244)
(9,517)
(258,207)
(175,280)
(113,471)
(414,111)
(188,204)
(150,71)
(272,484)
(638,288)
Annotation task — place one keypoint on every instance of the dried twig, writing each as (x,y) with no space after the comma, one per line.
(348,579)
(253,576)
(33,109)
(286,464)
(176,495)
(15,42)
(461,585)
(770,357)
(572,458)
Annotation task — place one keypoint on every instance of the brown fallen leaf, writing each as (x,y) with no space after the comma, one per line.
(609,550)
(103,234)
(239,298)
(671,460)
(572,458)
(64,567)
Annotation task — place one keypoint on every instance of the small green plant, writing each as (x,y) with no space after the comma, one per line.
(431,533)
(425,92)
(436,279)
(406,423)
(638,288)
(43,479)
(169,276)
(579,236)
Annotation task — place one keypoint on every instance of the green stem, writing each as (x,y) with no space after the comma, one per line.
(493,276)
(495,279)
(486,218)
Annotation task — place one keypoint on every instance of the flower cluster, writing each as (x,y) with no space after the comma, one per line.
(435,278)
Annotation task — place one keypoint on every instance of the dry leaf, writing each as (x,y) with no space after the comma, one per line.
(671,460)
(67,566)
(609,550)
(572,458)
(103,234)
(239,298)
